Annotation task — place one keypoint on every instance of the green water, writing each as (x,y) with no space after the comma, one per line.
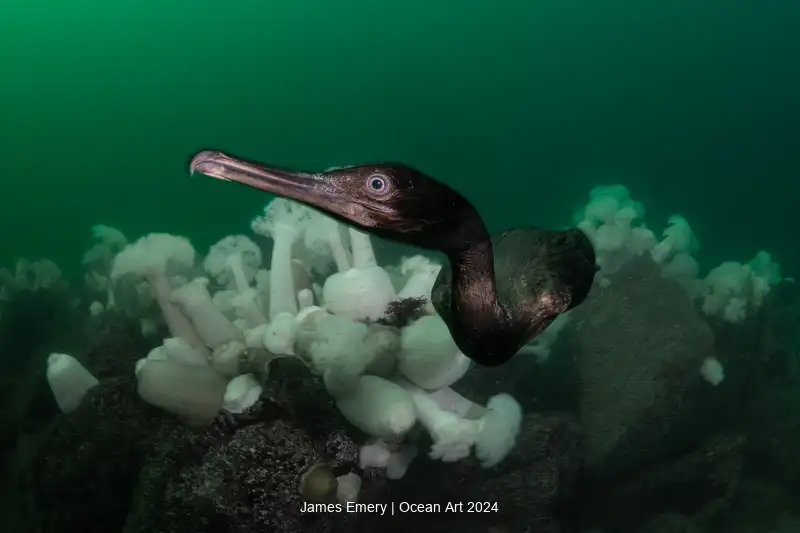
(522,105)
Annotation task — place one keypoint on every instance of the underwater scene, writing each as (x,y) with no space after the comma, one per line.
(425,266)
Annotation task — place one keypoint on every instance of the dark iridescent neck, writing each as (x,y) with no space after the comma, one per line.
(474,287)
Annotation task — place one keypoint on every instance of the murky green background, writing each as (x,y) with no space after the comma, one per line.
(522,105)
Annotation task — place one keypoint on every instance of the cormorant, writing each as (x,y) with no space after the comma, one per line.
(498,293)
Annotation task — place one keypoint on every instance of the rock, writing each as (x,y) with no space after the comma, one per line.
(538,474)
(672,523)
(242,473)
(239,481)
(640,344)
(701,485)
(79,473)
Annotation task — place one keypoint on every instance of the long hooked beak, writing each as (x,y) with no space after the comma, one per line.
(300,186)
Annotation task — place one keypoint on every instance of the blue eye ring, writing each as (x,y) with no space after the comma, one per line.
(377,184)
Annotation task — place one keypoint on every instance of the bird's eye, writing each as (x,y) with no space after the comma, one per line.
(377,184)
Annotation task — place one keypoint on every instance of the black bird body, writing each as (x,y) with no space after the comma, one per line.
(498,293)
(538,274)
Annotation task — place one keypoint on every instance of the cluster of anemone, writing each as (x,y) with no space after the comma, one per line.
(731,291)
(368,332)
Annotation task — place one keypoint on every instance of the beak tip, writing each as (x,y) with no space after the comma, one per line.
(200,158)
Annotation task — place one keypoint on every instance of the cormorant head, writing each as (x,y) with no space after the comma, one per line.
(391,201)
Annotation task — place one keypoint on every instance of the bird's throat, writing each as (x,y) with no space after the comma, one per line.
(473,296)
